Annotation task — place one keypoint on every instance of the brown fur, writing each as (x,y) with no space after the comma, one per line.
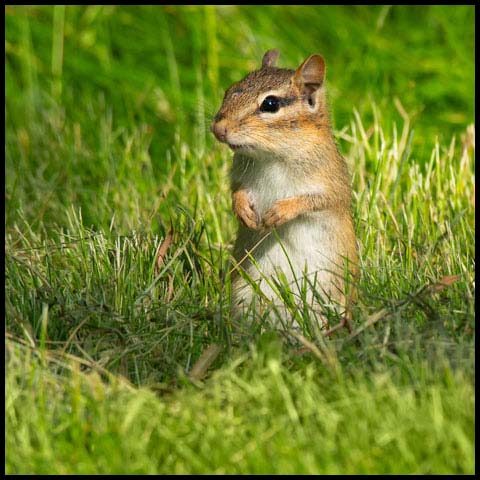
(299,143)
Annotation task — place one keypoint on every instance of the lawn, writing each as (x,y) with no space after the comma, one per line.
(121,356)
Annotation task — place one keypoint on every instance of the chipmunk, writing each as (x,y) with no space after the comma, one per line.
(287,175)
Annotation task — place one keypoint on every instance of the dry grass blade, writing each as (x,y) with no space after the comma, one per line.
(344,322)
(385,312)
(308,346)
(72,335)
(162,250)
(372,319)
(327,356)
(442,283)
(207,357)
(60,358)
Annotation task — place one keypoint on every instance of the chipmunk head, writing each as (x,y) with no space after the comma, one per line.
(274,110)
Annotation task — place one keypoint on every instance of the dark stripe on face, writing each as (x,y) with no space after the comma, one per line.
(285,101)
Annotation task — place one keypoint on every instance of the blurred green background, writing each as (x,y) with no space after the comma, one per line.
(162,70)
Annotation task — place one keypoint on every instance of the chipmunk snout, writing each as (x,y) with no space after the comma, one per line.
(219,129)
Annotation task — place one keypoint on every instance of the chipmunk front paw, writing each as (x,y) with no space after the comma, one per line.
(244,208)
(282,212)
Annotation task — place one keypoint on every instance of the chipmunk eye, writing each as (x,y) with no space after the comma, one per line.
(270,104)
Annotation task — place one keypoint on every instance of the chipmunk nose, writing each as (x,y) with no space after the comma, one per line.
(219,129)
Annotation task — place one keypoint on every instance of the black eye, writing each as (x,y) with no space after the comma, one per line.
(270,104)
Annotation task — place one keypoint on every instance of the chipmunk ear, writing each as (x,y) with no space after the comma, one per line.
(270,58)
(310,74)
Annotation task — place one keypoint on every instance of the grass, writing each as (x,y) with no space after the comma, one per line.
(253,417)
(109,163)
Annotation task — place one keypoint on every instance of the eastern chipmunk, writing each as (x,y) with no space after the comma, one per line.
(287,175)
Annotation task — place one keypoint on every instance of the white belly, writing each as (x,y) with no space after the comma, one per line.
(307,243)
(305,252)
